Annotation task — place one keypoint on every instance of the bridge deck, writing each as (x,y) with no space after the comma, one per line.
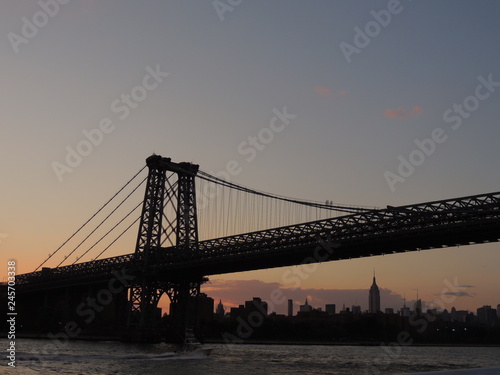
(461,221)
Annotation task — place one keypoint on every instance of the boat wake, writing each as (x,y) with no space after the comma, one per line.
(60,357)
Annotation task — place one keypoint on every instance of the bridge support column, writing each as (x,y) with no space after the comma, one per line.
(144,315)
(168,215)
(184,308)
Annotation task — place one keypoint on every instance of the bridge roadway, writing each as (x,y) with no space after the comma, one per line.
(461,221)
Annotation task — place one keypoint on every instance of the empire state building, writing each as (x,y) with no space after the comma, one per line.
(374,298)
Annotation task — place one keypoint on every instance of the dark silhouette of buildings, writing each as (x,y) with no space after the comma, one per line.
(255,305)
(330,309)
(205,308)
(356,309)
(220,312)
(306,307)
(486,316)
(352,325)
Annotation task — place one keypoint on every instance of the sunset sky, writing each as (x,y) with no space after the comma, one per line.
(388,102)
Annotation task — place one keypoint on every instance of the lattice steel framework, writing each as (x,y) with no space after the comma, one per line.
(178,269)
(152,210)
(159,198)
(452,222)
(183,297)
(187,222)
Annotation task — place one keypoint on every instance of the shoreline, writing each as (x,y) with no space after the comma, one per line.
(38,336)
(347,343)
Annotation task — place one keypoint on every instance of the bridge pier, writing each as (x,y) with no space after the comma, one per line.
(143,314)
(183,309)
(144,318)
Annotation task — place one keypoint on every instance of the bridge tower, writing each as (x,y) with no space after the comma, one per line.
(168,215)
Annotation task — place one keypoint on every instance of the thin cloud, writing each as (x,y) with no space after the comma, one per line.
(328,93)
(402,112)
(323,91)
(457,294)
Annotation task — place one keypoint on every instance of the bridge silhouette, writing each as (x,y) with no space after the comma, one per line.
(170,258)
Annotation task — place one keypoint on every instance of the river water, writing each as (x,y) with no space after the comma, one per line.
(99,358)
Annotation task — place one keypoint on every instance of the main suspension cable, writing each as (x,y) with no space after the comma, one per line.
(217,180)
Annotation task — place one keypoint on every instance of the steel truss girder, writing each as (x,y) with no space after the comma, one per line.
(395,228)
(143,301)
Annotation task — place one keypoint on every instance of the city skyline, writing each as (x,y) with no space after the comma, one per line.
(293,307)
(321,297)
(382,103)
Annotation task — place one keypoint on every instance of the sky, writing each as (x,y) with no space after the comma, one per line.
(382,103)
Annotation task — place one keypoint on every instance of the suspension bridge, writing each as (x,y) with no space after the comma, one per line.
(192,224)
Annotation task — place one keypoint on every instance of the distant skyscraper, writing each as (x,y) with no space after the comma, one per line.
(343,311)
(453,314)
(459,315)
(290,307)
(486,315)
(256,304)
(356,309)
(418,305)
(330,309)
(306,307)
(374,298)
(445,316)
(205,307)
(220,310)
(405,311)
